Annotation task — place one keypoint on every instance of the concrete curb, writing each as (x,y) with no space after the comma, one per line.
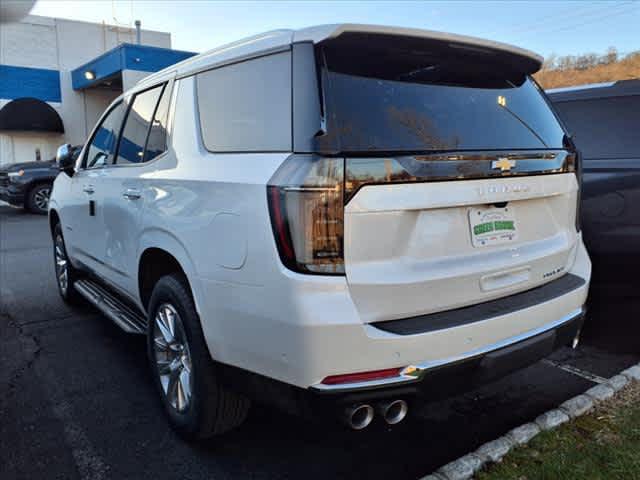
(467,466)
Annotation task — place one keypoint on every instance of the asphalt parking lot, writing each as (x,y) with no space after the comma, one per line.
(76,400)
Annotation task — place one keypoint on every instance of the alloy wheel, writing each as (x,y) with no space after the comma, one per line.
(62,266)
(172,357)
(41,198)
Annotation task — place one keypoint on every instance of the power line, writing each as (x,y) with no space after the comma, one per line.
(554,17)
(591,20)
(608,8)
(544,27)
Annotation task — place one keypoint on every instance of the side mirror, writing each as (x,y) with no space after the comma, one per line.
(65,159)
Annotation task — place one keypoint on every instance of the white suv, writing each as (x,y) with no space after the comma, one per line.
(345,217)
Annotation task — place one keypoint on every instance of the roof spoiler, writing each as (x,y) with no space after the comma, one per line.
(517,58)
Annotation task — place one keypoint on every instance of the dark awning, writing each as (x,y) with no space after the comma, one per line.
(30,114)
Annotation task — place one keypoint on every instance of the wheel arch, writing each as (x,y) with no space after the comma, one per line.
(54,219)
(161,254)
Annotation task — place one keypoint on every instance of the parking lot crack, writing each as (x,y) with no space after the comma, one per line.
(25,349)
(30,348)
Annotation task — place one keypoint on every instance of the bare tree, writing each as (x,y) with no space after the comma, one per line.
(550,62)
(612,55)
(566,62)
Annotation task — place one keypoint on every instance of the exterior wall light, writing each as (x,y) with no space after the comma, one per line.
(89,75)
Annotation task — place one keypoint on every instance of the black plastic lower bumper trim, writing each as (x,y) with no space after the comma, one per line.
(482,311)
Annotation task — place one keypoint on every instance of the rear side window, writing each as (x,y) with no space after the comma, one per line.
(104,141)
(136,127)
(246,107)
(604,127)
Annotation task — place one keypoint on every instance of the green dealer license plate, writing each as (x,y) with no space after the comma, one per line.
(492,226)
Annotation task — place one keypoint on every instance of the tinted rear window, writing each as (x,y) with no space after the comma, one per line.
(423,102)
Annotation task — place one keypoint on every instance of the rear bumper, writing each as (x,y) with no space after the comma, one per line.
(302,329)
(503,336)
(448,376)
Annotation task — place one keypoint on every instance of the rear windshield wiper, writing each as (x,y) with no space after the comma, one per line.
(525,124)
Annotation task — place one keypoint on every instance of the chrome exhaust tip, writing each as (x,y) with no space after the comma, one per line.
(358,416)
(393,412)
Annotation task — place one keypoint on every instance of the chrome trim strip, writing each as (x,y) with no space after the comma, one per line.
(586,86)
(118,312)
(414,373)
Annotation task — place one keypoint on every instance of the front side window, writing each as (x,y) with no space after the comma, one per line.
(103,144)
(136,127)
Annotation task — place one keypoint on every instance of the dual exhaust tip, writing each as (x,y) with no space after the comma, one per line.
(360,416)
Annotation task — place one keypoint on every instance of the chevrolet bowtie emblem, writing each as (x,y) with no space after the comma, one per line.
(504,164)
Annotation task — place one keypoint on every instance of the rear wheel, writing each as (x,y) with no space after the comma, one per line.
(183,370)
(66,275)
(38,199)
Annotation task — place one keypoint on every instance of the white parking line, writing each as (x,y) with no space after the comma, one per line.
(576,371)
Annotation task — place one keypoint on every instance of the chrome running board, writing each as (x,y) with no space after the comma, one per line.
(115,309)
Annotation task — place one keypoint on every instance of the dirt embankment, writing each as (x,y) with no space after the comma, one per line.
(625,69)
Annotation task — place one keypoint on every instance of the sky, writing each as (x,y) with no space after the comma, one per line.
(546,27)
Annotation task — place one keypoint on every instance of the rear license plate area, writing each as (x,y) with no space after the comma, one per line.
(492,226)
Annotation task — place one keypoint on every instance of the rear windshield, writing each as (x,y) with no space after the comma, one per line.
(430,103)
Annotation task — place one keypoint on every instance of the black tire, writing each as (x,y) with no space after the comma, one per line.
(38,198)
(212,408)
(67,291)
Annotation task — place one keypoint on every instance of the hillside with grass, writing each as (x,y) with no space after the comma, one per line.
(590,68)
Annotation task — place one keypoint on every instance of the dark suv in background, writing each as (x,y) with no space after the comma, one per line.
(29,184)
(604,120)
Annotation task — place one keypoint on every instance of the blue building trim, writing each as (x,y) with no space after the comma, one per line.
(151,59)
(104,66)
(20,82)
(126,57)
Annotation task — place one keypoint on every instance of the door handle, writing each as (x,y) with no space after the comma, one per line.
(88,189)
(131,194)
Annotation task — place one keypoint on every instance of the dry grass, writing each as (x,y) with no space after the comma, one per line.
(602,445)
(625,69)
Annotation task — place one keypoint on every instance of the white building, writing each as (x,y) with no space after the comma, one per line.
(57,76)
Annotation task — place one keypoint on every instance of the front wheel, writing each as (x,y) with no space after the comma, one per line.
(66,275)
(38,199)
(184,372)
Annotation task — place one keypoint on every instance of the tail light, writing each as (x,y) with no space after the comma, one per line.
(306,204)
